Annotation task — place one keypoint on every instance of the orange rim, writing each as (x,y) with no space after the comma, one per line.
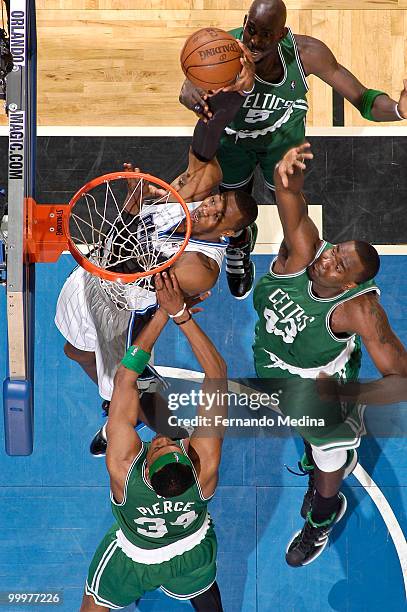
(115,276)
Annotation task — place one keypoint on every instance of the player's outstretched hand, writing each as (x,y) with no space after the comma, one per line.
(245,80)
(137,191)
(170,296)
(402,103)
(196,100)
(196,299)
(293,159)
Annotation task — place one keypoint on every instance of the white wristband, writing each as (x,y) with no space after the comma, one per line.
(396,110)
(247,93)
(178,314)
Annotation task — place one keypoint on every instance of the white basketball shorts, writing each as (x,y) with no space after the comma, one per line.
(90,321)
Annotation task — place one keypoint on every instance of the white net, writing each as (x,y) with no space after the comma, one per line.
(129,227)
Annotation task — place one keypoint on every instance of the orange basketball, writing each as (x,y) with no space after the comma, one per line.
(210,58)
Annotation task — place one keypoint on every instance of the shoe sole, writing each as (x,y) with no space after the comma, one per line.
(96,434)
(321,549)
(243,297)
(322,546)
(138,428)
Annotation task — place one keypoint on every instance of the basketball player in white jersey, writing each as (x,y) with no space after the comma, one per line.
(96,331)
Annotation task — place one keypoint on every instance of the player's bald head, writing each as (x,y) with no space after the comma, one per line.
(272,9)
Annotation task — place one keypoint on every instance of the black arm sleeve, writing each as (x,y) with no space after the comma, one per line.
(205,140)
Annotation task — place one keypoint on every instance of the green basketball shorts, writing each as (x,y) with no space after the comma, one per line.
(239,157)
(329,424)
(115,581)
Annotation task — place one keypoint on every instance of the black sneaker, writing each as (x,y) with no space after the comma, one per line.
(98,445)
(308,469)
(306,545)
(150,381)
(240,269)
(99,441)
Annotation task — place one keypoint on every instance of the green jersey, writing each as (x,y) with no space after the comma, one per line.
(266,111)
(150,522)
(293,335)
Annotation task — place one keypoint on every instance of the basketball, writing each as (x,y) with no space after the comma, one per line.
(210,58)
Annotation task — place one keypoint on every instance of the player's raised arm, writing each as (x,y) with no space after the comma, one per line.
(124,442)
(366,317)
(139,190)
(206,441)
(199,179)
(374,105)
(300,232)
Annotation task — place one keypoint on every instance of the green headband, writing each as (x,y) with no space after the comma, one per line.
(172,457)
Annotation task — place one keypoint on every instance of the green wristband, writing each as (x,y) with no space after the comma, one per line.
(136,359)
(368,99)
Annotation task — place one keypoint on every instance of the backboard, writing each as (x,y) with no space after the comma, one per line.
(20,275)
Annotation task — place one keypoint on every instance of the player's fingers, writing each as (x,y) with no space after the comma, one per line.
(213,92)
(300,164)
(158,282)
(167,282)
(174,281)
(164,280)
(244,48)
(227,89)
(304,146)
(156,192)
(204,116)
(283,177)
(405,84)
(200,107)
(198,298)
(204,296)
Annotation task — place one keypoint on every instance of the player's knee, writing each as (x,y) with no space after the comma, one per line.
(330,460)
(82,357)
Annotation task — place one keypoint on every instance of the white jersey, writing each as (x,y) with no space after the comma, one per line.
(164,219)
(152,235)
(90,319)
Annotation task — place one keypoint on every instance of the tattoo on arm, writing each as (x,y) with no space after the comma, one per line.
(382,329)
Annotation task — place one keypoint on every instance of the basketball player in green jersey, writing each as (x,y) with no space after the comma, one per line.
(163,536)
(315,304)
(272,116)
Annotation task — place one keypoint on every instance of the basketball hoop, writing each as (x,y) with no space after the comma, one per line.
(120,227)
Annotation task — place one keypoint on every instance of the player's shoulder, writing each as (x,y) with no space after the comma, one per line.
(190,258)
(311,50)
(355,314)
(363,302)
